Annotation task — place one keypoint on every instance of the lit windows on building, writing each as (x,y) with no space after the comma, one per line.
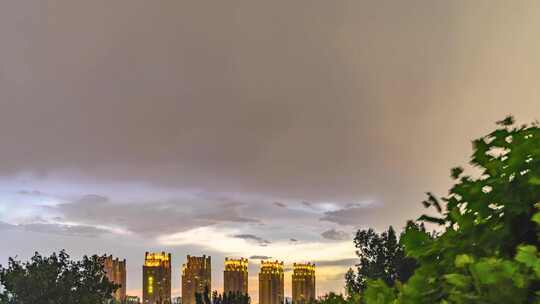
(271,283)
(303,283)
(150,285)
(196,277)
(157,278)
(235,276)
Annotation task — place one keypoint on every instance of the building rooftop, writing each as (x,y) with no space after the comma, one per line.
(153,259)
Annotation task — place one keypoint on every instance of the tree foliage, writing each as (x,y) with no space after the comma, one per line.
(487,250)
(55,280)
(225,298)
(333,298)
(381,257)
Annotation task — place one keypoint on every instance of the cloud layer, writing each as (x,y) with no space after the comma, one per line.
(218,127)
(336,235)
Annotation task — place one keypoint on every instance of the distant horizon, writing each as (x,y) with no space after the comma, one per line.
(253,278)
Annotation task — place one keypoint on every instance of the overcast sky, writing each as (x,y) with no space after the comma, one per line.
(245,128)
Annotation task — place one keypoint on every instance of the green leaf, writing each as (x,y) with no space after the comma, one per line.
(458,280)
(456,172)
(463,260)
(534,180)
(431,219)
(415,242)
(486,271)
(528,255)
(434,201)
(536,218)
(379,293)
(508,121)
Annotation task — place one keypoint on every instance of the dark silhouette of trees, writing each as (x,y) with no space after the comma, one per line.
(55,279)
(225,298)
(381,257)
(334,298)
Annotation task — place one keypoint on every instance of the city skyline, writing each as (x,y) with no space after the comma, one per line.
(270,131)
(196,274)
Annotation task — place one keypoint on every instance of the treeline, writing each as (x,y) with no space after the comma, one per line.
(485,249)
(225,298)
(55,279)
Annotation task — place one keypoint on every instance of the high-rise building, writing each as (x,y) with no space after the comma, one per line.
(271,287)
(196,276)
(177,300)
(115,270)
(157,278)
(235,276)
(132,300)
(303,283)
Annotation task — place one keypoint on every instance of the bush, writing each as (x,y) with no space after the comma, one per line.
(487,250)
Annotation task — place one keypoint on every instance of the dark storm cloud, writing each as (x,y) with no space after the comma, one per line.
(253,238)
(323,101)
(91,199)
(6,226)
(225,213)
(278,98)
(260,257)
(59,229)
(149,218)
(282,205)
(335,235)
(69,230)
(31,192)
(355,215)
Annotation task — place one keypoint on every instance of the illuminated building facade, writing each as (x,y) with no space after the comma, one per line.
(132,300)
(157,278)
(115,270)
(303,283)
(235,276)
(271,287)
(196,276)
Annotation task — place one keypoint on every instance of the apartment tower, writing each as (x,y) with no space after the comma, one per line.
(196,276)
(115,270)
(157,278)
(235,276)
(303,283)
(271,287)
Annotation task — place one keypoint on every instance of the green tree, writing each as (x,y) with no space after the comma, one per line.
(217,298)
(381,257)
(55,280)
(487,250)
(332,298)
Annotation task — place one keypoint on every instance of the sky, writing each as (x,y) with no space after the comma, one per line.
(270,129)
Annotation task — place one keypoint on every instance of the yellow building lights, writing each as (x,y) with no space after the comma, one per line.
(150,285)
(155,259)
